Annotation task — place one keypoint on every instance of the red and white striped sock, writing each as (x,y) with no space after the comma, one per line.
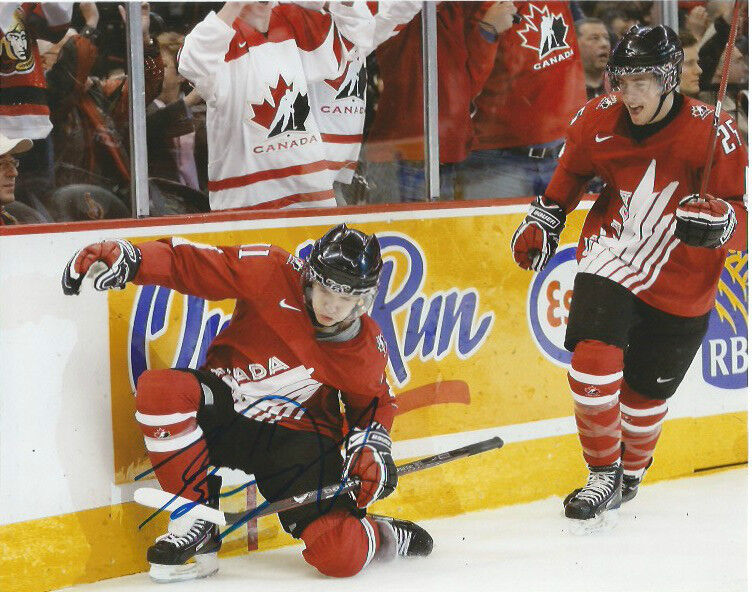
(167,402)
(641,420)
(595,378)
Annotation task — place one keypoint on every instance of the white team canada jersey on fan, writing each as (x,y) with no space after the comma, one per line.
(265,148)
(339,104)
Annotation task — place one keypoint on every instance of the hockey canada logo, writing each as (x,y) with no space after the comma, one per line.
(548,305)
(607,101)
(283,110)
(700,111)
(544,33)
(352,82)
(725,347)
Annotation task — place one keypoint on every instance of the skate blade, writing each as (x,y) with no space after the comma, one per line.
(602,523)
(203,566)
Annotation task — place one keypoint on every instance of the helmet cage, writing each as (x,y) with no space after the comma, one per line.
(667,74)
(364,303)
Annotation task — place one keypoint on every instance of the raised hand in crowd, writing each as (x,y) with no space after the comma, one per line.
(499,17)
(145,20)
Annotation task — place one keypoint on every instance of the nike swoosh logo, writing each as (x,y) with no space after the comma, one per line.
(284,304)
(241,44)
(662,380)
(603,139)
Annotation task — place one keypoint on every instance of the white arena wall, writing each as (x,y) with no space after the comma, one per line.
(69,449)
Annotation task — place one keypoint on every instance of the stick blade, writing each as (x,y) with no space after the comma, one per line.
(162,500)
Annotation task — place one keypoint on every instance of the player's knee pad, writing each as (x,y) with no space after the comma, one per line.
(340,545)
(641,415)
(167,402)
(596,371)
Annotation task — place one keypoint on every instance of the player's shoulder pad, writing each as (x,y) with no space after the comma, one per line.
(374,338)
(701,114)
(595,110)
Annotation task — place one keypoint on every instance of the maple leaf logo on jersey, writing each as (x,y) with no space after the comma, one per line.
(544,32)
(607,101)
(700,111)
(282,110)
(352,82)
(381,344)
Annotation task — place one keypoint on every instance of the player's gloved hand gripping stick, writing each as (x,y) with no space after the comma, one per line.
(369,459)
(701,219)
(162,500)
(704,222)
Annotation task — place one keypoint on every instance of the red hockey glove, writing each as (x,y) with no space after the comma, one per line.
(536,239)
(369,457)
(706,222)
(121,258)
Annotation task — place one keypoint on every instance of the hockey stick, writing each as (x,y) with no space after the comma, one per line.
(162,500)
(721,95)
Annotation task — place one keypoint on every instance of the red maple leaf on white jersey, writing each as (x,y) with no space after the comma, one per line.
(282,110)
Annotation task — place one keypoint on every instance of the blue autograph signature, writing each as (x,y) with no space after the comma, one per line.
(191,475)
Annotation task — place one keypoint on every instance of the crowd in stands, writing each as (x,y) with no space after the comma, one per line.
(312,104)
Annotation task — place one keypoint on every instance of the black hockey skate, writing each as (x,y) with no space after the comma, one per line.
(631,482)
(401,538)
(594,507)
(186,539)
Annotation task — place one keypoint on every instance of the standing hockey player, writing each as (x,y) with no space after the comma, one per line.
(267,399)
(649,258)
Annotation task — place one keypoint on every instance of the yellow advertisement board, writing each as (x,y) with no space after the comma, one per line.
(451,305)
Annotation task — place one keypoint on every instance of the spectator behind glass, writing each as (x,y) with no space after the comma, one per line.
(694,18)
(595,49)
(689,83)
(90,115)
(12,212)
(24,110)
(711,56)
(339,105)
(467,41)
(252,63)
(170,129)
(618,23)
(536,86)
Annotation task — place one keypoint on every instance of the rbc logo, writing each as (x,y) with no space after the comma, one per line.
(724,349)
(548,305)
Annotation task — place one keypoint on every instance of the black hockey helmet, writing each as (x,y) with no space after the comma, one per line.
(346,261)
(648,49)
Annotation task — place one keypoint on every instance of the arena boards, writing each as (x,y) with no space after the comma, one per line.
(474,351)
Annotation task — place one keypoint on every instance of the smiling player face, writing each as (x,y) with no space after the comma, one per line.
(329,307)
(641,94)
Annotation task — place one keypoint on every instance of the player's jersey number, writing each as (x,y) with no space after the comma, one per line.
(728,134)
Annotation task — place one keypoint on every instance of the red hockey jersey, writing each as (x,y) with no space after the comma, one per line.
(537,83)
(268,353)
(628,235)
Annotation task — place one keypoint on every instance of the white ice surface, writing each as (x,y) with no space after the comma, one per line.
(685,535)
